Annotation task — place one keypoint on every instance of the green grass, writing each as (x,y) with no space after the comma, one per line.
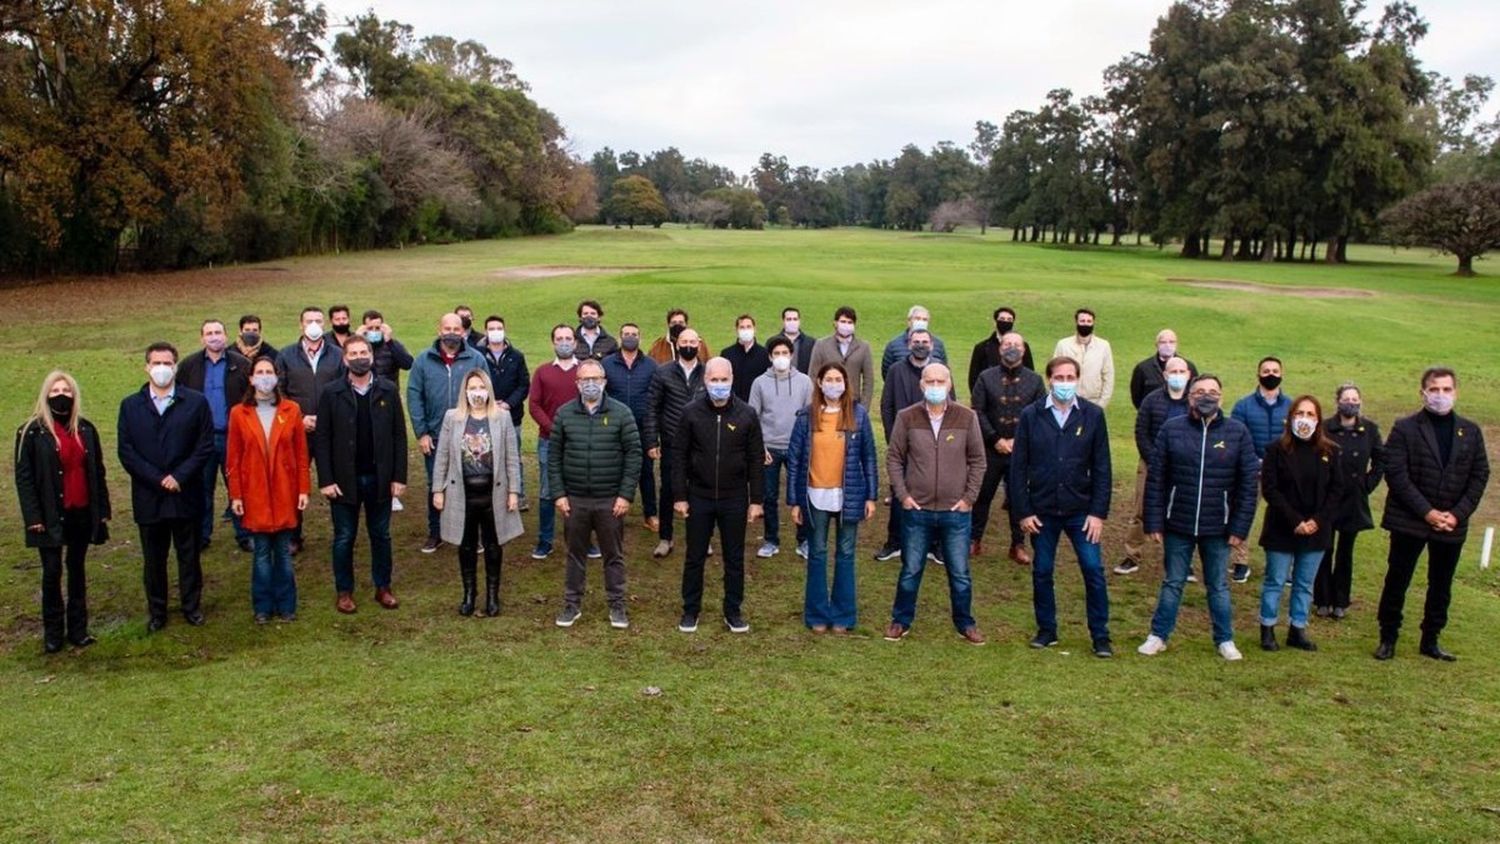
(419,724)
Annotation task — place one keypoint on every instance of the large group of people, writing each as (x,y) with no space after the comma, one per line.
(714,439)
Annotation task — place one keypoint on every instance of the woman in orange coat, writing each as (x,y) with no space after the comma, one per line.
(266,462)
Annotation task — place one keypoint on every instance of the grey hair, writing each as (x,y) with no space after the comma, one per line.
(917,309)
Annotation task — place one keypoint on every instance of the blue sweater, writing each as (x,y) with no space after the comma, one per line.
(861,478)
(1060,471)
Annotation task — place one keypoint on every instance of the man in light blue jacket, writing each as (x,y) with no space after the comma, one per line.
(436,382)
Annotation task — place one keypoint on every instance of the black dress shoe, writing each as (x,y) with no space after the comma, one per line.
(154,624)
(1296,637)
(194,618)
(52,646)
(83,641)
(1268,638)
(1431,649)
(246,546)
(1386,650)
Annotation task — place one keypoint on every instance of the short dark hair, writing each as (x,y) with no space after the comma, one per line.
(677,312)
(590,303)
(457,308)
(1438,372)
(1080,312)
(915,331)
(249,318)
(1006,309)
(161,346)
(1269,359)
(785,311)
(1207,376)
(1061,360)
(210,321)
(778,342)
(338,309)
(561,325)
(625,325)
(845,311)
(356,340)
(373,314)
(741,318)
(494,318)
(310,309)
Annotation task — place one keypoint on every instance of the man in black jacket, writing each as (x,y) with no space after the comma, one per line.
(305,368)
(674,385)
(222,375)
(718,459)
(510,379)
(593,338)
(802,344)
(987,351)
(165,437)
(360,448)
(1436,469)
(749,359)
(1000,394)
(1151,373)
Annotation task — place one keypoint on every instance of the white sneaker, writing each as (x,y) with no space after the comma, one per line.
(1230,652)
(396,506)
(768,550)
(1153,645)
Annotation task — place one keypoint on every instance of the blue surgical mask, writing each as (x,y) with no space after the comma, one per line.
(1177,383)
(1064,391)
(935,395)
(375,336)
(719,392)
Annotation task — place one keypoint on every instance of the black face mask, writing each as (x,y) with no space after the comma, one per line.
(1206,406)
(61,407)
(250,338)
(1004,326)
(1011,357)
(360,366)
(467,322)
(1270,382)
(630,344)
(1085,330)
(451,341)
(590,323)
(676,330)
(341,329)
(687,352)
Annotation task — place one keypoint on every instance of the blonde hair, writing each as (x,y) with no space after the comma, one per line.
(42,414)
(491,407)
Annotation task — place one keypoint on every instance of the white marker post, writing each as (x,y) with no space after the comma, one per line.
(1489,545)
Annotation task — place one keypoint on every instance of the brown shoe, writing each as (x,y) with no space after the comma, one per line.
(1020,555)
(345,603)
(840,630)
(975,549)
(820,629)
(973,636)
(653,524)
(896,631)
(386,599)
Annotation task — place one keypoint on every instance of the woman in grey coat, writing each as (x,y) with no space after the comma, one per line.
(476,473)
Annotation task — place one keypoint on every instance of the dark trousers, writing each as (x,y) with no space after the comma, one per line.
(771,493)
(479,529)
(593,520)
(665,499)
(705,514)
(995,468)
(648,487)
(77,531)
(159,538)
(434,518)
(1331,588)
(1442,562)
(377,507)
(214,470)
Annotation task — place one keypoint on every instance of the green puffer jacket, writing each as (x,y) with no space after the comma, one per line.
(594,455)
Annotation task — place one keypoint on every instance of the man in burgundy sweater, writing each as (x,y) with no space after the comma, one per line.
(553,384)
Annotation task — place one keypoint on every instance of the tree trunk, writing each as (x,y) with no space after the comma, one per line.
(1192,247)
(1465,266)
(1227,253)
(1114,239)
(1343,249)
(1289,249)
(1246,250)
(1313,245)
(1268,248)
(1015,233)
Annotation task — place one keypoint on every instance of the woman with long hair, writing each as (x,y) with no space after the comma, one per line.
(476,476)
(1362,461)
(1303,487)
(64,503)
(265,460)
(831,478)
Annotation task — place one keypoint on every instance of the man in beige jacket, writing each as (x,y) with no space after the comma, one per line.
(1097,380)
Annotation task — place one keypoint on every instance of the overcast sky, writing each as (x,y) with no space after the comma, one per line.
(827,82)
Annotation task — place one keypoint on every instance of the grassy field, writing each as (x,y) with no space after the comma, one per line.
(421,725)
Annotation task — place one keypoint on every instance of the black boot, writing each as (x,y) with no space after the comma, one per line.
(466,573)
(1296,637)
(492,582)
(1387,649)
(1431,648)
(1268,638)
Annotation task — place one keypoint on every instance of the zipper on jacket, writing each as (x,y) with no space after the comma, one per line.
(1202,459)
(718,457)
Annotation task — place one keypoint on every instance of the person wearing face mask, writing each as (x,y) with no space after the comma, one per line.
(511,381)
(1096,381)
(748,358)
(64,504)
(165,437)
(1060,484)
(717,484)
(917,319)
(306,368)
(832,479)
(903,389)
(1000,395)
(1150,374)
(435,387)
(1436,468)
(776,396)
(1200,496)
(987,351)
(475,477)
(338,324)
(471,335)
(673,387)
(664,349)
(595,465)
(391,357)
(1362,462)
(593,339)
(553,385)
(1264,412)
(936,465)
(250,343)
(802,344)
(360,449)
(851,352)
(628,373)
(222,375)
(269,483)
(1303,487)
(1166,402)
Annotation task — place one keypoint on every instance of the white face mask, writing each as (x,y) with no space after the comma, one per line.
(477,398)
(791,326)
(919,324)
(1303,428)
(781,363)
(496,336)
(747,335)
(844,329)
(162,374)
(313,331)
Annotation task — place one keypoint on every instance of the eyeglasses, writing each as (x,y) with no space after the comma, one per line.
(1212,394)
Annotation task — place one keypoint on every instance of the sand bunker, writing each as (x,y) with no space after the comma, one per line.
(553,271)
(1276,289)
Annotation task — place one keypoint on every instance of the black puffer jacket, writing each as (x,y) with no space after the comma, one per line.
(1201,479)
(1419,481)
(594,455)
(1155,410)
(718,452)
(1362,463)
(39,483)
(669,393)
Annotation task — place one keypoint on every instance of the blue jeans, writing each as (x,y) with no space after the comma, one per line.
(1043,599)
(1304,568)
(273,586)
(377,507)
(919,530)
(434,517)
(819,606)
(772,503)
(213,470)
(547,512)
(1177,551)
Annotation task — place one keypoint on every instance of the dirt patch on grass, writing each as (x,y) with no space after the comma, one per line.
(553,271)
(1280,290)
